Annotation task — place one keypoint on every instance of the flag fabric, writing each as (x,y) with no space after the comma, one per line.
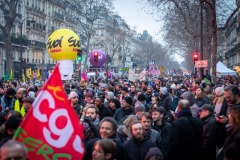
(23,77)
(34,76)
(11,75)
(51,128)
(84,76)
(6,76)
(39,74)
(30,73)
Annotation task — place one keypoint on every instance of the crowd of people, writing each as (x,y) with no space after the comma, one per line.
(182,118)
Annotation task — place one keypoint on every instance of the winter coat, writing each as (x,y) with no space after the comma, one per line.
(154,135)
(137,150)
(166,102)
(209,137)
(185,138)
(104,112)
(121,114)
(91,131)
(164,131)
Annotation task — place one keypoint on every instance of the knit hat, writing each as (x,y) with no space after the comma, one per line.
(164,90)
(154,151)
(72,94)
(128,100)
(125,89)
(219,91)
(139,107)
(141,97)
(11,92)
(206,107)
(32,94)
(110,95)
(13,122)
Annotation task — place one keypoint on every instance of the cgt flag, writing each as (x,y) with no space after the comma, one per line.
(51,128)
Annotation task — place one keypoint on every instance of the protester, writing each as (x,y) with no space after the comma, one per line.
(18,105)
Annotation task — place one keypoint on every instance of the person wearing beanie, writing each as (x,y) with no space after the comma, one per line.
(103,111)
(141,98)
(125,110)
(124,93)
(166,103)
(139,108)
(148,94)
(7,100)
(154,153)
(73,98)
(108,96)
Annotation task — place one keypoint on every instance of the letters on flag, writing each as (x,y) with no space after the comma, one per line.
(51,128)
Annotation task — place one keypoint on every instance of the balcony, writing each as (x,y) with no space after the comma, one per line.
(16,41)
(58,15)
(232,51)
(37,44)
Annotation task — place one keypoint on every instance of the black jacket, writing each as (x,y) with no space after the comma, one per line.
(185,138)
(164,131)
(166,102)
(209,138)
(121,114)
(104,112)
(137,150)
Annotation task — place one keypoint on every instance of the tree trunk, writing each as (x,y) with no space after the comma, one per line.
(87,52)
(214,43)
(8,51)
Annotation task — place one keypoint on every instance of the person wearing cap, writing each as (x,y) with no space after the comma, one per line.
(18,105)
(73,98)
(125,110)
(27,103)
(206,113)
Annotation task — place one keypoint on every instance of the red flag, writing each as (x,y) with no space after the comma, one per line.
(51,128)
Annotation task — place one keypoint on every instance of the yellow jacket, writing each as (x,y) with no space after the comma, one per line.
(18,108)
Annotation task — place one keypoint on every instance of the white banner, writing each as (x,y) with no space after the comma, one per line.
(133,77)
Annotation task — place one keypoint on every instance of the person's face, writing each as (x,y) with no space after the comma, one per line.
(132,89)
(112,105)
(124,104)
(230,98)
(137,131)
(15,152)
(146,123)
(156,116)
(198,91)
(149,90)
(74,100)
(106,130)
(98,102)
(98,153)
(154,101)
(19,94)
(88,99)
(143,85)
(91,112)
(203,113)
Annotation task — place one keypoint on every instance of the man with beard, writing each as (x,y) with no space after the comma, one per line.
(146,119)
(7,100)
(163,127)
(91,123)
(18,105)
(108,129)
(73,98)
(137,147)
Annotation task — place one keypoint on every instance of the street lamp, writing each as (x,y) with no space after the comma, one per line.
(21,57)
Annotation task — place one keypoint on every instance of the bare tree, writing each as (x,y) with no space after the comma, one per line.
(90,11)
(8,8)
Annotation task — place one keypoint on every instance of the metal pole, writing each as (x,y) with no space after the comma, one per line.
(201,35)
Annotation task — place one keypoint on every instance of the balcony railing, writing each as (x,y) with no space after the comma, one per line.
(15,40)
(37,44)
(232,51)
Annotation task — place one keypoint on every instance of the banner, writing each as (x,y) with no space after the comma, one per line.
(51,128)
(133,77)
(162,70)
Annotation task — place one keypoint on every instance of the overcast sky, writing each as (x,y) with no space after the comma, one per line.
(135,16)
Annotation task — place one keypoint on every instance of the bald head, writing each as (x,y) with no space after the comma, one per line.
(13,149)
(183,104)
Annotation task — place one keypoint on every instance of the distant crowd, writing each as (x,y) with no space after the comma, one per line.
(176,118)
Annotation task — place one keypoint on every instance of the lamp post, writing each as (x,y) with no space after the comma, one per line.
(21,56)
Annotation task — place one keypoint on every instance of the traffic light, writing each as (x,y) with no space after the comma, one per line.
(95,55)
(195,57)
(79,55)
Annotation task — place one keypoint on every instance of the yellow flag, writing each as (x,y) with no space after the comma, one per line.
(23,78)
(39,74)
(30,73)
(11,75)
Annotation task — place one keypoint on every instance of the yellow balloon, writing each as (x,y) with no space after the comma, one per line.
(63,44)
